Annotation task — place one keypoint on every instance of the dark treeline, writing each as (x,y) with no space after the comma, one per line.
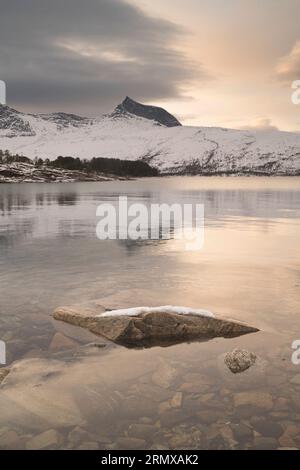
(112,166)
(7,157)
(109,166)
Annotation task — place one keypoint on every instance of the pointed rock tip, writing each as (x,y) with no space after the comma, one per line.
(153,113)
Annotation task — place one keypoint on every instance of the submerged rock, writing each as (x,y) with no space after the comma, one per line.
(291,433)
(78,435)
(266,427)
(209,416)
(242,432)
(295,380)
(61,342)
(172,417)
(89,446)
(131,443)
(142,431)
(153,328)
(3,373)
(253,398)
(164,375)
(50,439)
(264,443)
(8,438)
(34,396)
(176,401)
(239,360)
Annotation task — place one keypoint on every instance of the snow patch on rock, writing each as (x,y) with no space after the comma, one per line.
(136,311)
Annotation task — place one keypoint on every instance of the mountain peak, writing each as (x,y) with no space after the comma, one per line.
(6,109)
(13,123)
(153,113)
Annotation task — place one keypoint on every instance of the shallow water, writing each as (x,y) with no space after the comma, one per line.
(248,269)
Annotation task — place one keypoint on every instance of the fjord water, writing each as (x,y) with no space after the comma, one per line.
(176,397)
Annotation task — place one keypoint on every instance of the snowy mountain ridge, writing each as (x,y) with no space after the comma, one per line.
(135,131)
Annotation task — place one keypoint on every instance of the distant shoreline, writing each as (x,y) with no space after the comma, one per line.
(25,173)
(15,175)
(18,168)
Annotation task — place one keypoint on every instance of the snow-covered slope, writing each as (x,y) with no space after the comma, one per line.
(164,144)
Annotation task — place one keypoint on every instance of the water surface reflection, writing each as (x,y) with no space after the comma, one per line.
(248,270)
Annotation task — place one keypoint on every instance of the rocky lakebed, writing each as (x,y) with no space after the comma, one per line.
(208,383)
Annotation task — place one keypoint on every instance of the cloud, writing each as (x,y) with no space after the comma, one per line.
(288,67)
(187,117)
(261,124)
(87,55)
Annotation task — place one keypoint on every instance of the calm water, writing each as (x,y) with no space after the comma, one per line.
(249,269)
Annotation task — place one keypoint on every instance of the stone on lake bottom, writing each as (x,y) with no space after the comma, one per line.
(209,416)
(296,380)
(266,427)
(78,435)
(265,443)
(165,375)
(142,431)
(242,432)
(255,399)
(47,440)
(131,443)
(89,446)
(176,401)
(239,360)
(291,433)
(287,448)
(173,417)
(3,373)
(8,439)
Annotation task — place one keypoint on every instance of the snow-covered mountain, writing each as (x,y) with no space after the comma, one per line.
(135,131)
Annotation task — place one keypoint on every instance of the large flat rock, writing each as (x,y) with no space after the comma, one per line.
(152,328)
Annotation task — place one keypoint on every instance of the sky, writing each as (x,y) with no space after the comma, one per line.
(227,63)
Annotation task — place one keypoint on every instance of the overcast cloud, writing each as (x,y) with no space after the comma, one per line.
(85,56)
